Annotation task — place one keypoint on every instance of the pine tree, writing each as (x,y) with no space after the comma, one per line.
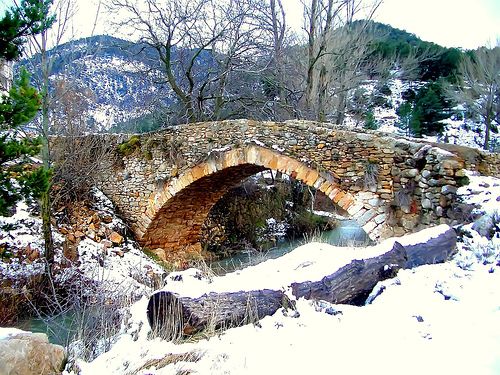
(409,119)
(19,106)
(370,121)
(404,112)
(431,107)
(19,22)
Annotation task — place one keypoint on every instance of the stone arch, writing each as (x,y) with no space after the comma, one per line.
(177,211)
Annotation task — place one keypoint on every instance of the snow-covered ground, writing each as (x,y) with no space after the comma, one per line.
(434,319)
(115,266)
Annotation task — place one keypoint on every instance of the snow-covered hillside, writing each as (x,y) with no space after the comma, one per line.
(458,129)
(120,79)
(434,319)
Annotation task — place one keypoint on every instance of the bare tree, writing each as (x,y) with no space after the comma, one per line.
(61,11)
(410,64)
(480,87)
(319,17)
(272,21)
(74,153)
(200,44)
(333,49)
(49,122)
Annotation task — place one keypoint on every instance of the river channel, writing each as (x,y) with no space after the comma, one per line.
(61,328)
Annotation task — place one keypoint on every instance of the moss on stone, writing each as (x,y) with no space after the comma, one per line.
(130,146)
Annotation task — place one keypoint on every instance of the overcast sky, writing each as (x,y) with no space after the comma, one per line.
(451,23)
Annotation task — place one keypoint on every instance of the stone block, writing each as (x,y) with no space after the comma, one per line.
(451,164)
(446,172)
(311,177)
(301,173)
(426,203)
(443,201)
(426,173)
(338,196)
(360,213)
(346,201)
(410,173)
(448,189)
(30,354)
(374,202)
(355,208)
(265,156)
(319,181)
(369,227)
(198,172)
(333,192)
(325,186)
(409,222)
(380,218)
(273,163)
(366,217)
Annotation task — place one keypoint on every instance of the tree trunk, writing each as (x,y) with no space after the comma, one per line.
(45,197)
(47,227)
(323,91)
(174,316)
(311,42)
(353,283)
(486,145)
(341,105)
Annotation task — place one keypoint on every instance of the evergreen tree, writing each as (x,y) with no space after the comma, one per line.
(370,121)
(431,105)
(27,19)
(19,106)
(410,118)
(405,111)
(416,122)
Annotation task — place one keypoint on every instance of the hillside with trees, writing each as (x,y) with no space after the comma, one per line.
(140,86)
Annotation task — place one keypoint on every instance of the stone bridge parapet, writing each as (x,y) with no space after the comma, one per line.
(165,183)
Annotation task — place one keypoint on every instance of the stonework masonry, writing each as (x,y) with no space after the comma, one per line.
(167,181)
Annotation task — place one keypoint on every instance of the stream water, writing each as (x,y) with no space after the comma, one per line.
(60,329)
(347,233)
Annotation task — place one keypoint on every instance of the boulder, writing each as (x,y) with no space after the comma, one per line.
(116,238)
(30,354)
(485,226)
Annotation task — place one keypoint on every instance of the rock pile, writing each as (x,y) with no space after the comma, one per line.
(85,222)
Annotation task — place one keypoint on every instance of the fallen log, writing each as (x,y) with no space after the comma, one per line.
(174,316)
(433,250)
(353,283)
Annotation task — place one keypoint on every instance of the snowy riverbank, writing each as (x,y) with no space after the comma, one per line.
(434,319)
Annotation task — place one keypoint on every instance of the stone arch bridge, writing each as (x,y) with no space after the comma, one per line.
(165,183)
